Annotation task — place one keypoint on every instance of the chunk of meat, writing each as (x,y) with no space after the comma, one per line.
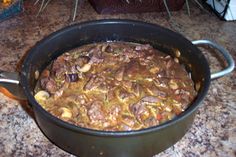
(67,57)
(111,95)
(133,54)
(144,61)
(60,91)
(160,93)
(163,74)
(151,121)
(129,53)
(44,81)
(135,71)
(153,90)
(77,99)
(103,87)
(95,60)
(138,109)
(119,74)
(49,84)
(169,64)
(59,67)
(127,84)
(123,95)
(93,83)
(143,47)
(132,69)
(96,50)
(113,113)
(161,82)
(150,99)
(96,56)
(45,73)
(136,89)
(128,122)
(95,112)
(115,110)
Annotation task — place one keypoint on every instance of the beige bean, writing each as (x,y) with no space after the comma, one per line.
(177,53)
(36,74)
(85,68)
(176,60)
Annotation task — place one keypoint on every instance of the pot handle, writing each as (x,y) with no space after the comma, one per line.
(11,82)
(224,52)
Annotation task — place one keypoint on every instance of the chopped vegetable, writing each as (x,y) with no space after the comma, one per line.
(159,117)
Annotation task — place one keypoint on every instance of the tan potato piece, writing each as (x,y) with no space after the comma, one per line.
(42,95)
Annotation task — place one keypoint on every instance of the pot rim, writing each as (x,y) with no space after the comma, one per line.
(192,108)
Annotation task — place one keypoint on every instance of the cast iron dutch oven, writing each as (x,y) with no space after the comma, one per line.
(92,143)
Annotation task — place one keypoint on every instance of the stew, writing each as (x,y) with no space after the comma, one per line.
(115,86)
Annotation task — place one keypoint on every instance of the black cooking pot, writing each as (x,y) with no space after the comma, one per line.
(91,143)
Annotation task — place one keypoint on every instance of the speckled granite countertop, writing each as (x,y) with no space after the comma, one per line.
(214,130)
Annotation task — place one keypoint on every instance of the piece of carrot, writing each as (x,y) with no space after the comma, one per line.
(159,116)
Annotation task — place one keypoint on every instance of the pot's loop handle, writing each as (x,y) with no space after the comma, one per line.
(11,82)
(224,52)
(9,77)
